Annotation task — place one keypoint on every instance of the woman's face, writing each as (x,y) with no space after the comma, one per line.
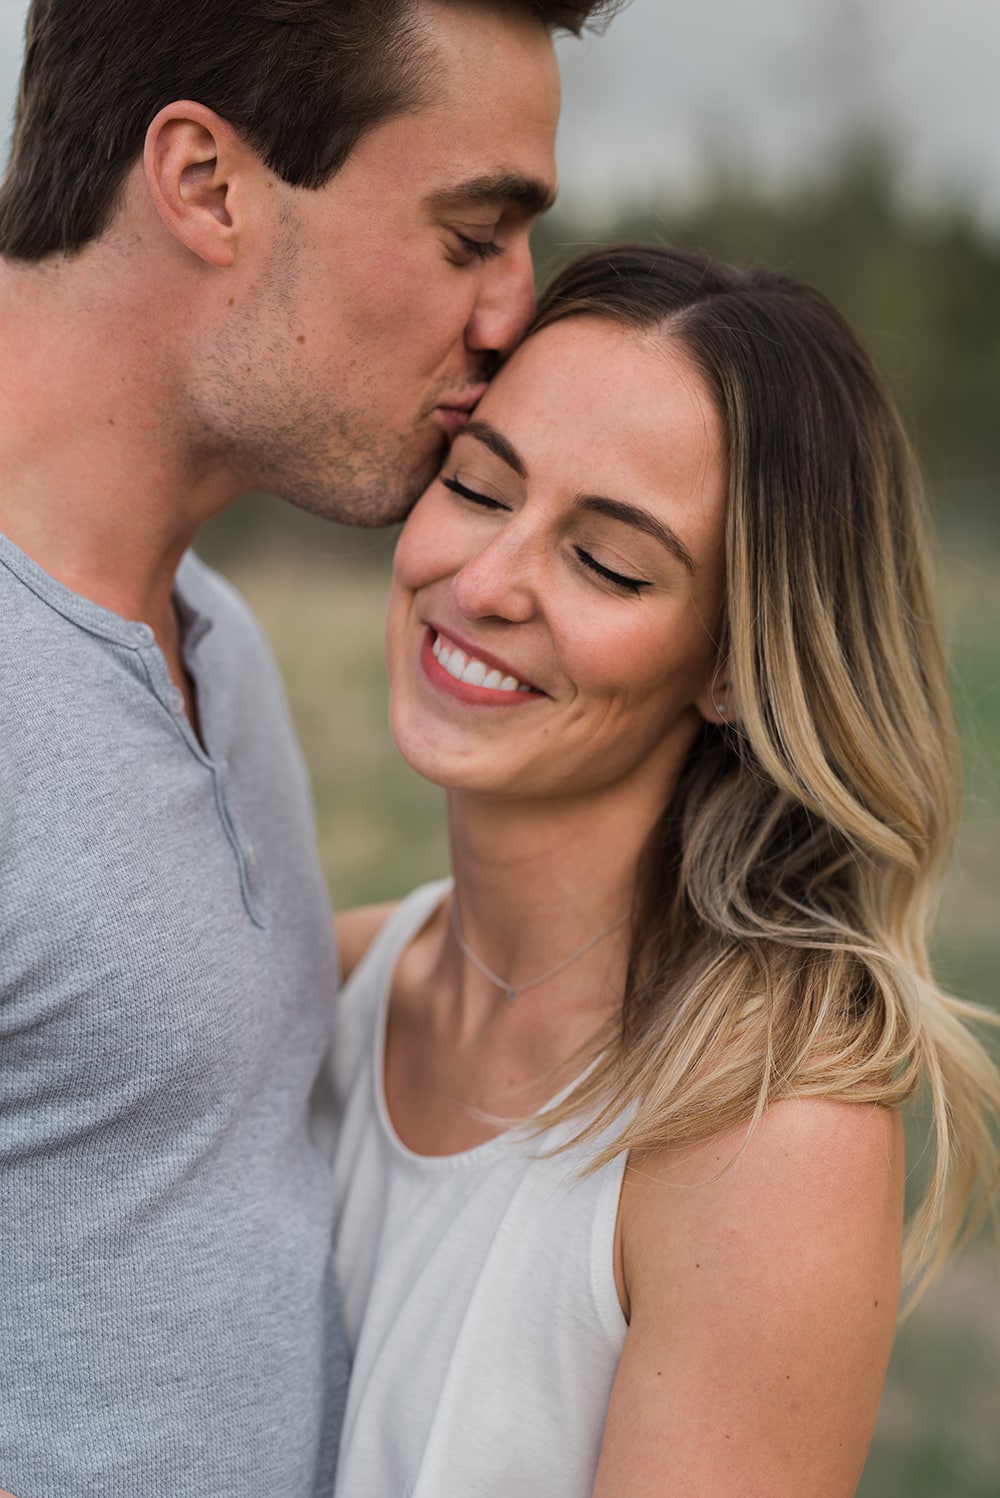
(558,589)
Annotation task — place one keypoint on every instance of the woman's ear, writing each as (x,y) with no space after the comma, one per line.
(716,705)
(195,166)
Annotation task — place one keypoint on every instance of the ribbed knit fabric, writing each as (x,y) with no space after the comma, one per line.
(167,1317)
(479,1288)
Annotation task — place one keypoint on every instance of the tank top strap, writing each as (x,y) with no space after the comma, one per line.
(393,937)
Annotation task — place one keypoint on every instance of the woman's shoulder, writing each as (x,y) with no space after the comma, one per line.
(806,1159)
(803,1204)
(761,1282)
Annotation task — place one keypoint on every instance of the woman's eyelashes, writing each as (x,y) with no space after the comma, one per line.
(633,585)
(475,496)
(620,580)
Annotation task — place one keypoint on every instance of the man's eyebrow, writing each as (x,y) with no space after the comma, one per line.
(643,520)
(508,188)
(498,444)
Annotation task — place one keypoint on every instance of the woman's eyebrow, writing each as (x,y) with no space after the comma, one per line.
(498,444)
(643,520)
(597,504)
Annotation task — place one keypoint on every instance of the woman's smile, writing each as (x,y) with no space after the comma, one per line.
(472,670)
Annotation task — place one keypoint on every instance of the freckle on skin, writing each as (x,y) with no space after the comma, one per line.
(301,338)
(111,422)
(232,301)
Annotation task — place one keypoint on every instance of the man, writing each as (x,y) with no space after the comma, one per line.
(275,246)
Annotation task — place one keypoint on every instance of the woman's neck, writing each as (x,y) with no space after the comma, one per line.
(534,883)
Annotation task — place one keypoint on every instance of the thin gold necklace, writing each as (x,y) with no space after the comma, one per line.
(513,991)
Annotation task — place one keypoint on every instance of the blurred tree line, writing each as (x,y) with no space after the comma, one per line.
(921,286)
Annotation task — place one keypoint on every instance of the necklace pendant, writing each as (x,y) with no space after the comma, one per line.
(510,994)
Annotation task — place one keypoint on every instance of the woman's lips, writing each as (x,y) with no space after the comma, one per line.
(475,677)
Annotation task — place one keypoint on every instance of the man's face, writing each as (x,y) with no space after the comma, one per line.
(387,296)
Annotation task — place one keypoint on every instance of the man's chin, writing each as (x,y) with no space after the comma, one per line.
(368,499)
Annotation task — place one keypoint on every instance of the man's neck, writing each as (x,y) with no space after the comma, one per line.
(97,480)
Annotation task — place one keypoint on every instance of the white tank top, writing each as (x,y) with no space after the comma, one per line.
(478,1288)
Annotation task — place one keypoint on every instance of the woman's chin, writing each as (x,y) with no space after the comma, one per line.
(430,757)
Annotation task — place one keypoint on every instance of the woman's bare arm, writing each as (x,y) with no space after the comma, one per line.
(762,1303)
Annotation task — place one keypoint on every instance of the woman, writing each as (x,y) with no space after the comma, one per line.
(620,1162)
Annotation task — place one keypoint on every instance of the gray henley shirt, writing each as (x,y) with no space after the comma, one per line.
(168,1324)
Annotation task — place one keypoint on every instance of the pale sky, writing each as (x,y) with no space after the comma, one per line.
(765,86)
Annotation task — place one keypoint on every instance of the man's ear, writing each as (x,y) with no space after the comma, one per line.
(195,166)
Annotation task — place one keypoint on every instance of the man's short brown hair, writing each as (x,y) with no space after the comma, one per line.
(301,80)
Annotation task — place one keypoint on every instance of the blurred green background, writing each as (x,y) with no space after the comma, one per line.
(924,289)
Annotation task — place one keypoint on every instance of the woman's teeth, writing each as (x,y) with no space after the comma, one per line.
(474,673)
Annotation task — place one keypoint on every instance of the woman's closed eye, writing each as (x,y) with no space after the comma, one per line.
(475,496)
(633,585)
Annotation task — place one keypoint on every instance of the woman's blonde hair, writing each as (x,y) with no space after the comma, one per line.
(779,945)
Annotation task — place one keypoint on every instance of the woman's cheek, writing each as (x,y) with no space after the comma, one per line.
(423,551)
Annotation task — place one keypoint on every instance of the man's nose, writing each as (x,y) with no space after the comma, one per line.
(506,304)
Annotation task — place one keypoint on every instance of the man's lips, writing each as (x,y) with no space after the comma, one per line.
(465,400)
(455,408)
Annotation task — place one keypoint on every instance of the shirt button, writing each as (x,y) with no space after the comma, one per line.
(142,634)
(175,700)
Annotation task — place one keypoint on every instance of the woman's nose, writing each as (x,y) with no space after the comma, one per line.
(498,582)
